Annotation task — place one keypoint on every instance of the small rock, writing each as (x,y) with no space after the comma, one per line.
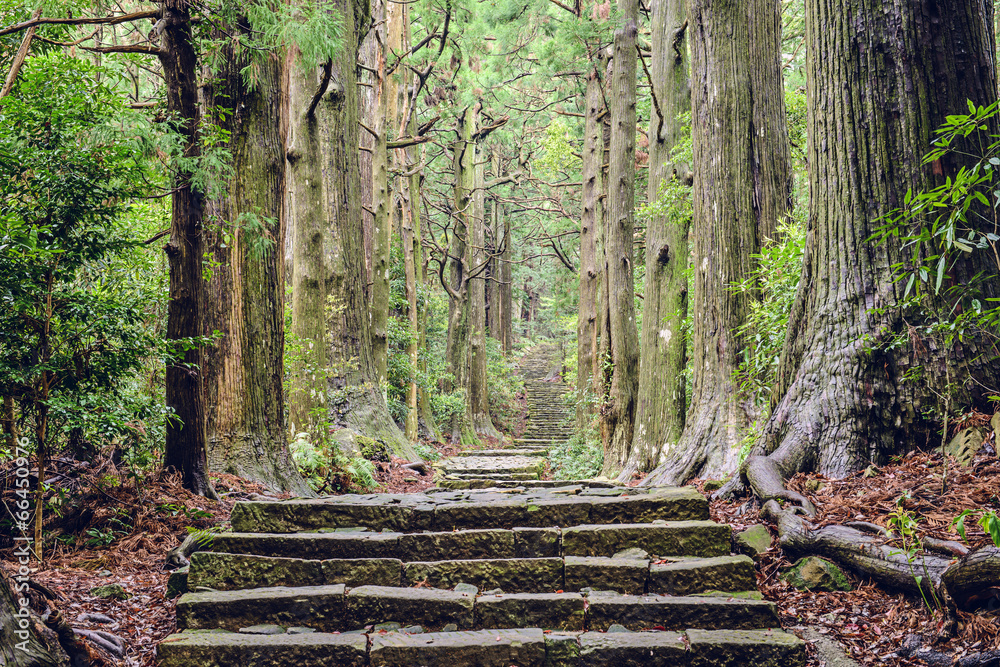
(413,630)
(753,541)
(713,485)
(494,591)
(94,618)
(112,591)
(829,619)
(617,628)
(634,552)
(468,589)
(816,574)
(104,573)
(300,631)
(391,626)
(814,485)
(659,522)
(263,629)
(451,627)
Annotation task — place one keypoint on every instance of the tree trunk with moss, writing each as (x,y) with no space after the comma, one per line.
(325,201)
(244,370)
(590,221)
(24,640)
(618,411)
(478,403)
(742,186)
(382,123)
(662,383)
(846,387)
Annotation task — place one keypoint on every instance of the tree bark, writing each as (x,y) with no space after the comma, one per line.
(844,400)
(590,221)
(382,123)
(662,384)
(24,640)
(618,412)
(326,205)
(244,371)
(478,402)
(506,288)
(742,185)
(185,450)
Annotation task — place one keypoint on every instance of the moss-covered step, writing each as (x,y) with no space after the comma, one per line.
(484,648)
(642,612)
(550,611)
(230,649)
(677,538)
(448,510)
(624,575)
(632,649)
(318,607)
(501,452)
(698,575)
(760,648)
(497,477)
(521,575)
(432,609)
(224,571)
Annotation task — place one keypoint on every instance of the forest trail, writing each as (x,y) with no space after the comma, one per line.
(523,463)
(527,572)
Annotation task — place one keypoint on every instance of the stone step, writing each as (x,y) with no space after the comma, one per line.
(529,647)
(703,539)
(529,484)
(227,571)
(334,609)
(479,465)
(642,612)
(515,476)
(446,511)
(501,452)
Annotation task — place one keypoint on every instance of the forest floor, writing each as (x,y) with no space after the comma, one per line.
(119,532)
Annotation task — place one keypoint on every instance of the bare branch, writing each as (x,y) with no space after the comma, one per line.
(102,20)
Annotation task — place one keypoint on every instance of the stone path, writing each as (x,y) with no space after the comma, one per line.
(522,464)
(574,575)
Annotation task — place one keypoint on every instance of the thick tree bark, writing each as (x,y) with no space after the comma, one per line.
(457,347)
(742,185)
(662,385)
(844,400)
(24,640)
(382,122)
(506,288)
(185,450)
(618,412)
(590,221)
(325,204)
(478,403)
(244,371)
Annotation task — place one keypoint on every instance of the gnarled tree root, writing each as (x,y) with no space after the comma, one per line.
(952,581)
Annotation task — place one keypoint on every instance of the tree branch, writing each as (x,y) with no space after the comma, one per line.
(103,20)
(323,84)
(22,53)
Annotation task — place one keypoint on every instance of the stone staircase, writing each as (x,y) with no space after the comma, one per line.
(523,464)
(543,577)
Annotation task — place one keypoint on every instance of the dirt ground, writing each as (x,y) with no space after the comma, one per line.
(868,622)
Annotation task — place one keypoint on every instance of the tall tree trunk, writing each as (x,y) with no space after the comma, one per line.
(586,323)
(478,402)
(506,287)
(382,123)
(326,202)
(844,398)
(457,348)
(185,450)
(662,385)
(618,413)
(742,184)
(244,371)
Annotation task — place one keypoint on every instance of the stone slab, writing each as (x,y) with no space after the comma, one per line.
(666,503)
(644,612)
(684,577)
(461,545)
(432,609)
(363,571)
(310,546)
(228,649)
(624,575)
(522,575)
(226,571)
(634,649)
(760,648)
(677,538)
(537,543)
(549,611)
(317,607)
(484,648)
